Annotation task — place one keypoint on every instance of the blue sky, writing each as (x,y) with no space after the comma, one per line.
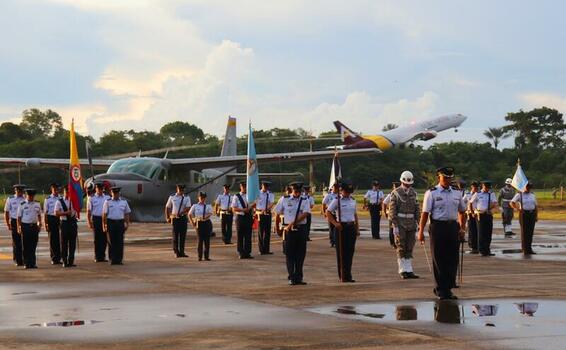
(138,64)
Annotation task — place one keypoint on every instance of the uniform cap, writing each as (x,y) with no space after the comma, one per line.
(347,186)
(54,184)
(116,189)
(19,186)
(181,186)
(31,191)
(226,186)
(508,181)
(474,183)
(375,183)
(99,184)
(307,187)
(445,171)
(202,194)
(266,183)
(296,185)
(486,182)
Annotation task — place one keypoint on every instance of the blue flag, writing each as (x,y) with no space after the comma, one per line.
(519,179)
(252,179)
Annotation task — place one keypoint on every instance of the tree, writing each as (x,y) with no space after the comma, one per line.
(10,132)
(182,133)
(541,128)
(496,135)
(389,126)
(41,124)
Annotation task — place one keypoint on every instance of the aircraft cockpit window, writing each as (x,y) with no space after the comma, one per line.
(144,167)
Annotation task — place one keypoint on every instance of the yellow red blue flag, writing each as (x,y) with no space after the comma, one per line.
(75,175)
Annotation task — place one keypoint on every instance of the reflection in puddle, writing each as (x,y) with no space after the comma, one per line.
(24,293)
(527,309)
(351,310)
(484,310)
(447,311)
(405,313)
(65,323)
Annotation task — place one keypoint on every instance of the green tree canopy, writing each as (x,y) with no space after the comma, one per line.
(41,124)
(182,133)
(10,132)
(541,127)
(496,135)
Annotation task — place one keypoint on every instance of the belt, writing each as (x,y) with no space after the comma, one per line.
(52,216)
(201,220)
(528,211)
(444,221)
(115,220)
(347,223)
(485,213)
(406,216)
(226,211)
(29,223)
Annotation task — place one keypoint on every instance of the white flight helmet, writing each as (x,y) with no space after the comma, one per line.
(508,181)
(406,177)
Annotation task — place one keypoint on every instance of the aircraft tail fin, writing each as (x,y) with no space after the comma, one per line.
(230,141)
(347,135)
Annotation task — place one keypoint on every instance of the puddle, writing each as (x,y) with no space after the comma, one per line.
(24,293)
(351,310)
(65,323)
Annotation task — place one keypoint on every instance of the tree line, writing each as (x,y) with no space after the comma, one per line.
(538,142)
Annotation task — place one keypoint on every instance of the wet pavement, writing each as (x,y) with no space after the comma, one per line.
(155,300)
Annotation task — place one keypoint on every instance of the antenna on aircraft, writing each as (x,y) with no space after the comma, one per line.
(166,153)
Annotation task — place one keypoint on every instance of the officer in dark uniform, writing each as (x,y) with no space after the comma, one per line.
(484,202)
(264,204)
(94,206)
(176,211)
(244,221)
(68,215)
(347,230)
(292,214)
(11,218)
(116,220)
(223,209)
(446,208)
(199,215)
(51,222)
(29,225)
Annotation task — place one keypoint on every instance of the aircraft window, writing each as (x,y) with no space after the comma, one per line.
(144,167)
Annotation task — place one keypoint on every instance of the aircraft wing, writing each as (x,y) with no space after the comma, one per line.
(243,175)
(53,162)
(423,135)
(221,162)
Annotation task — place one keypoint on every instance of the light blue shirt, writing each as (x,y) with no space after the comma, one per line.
(347,209)
(116,209)
(288,206)
(481,200)
(443,203)
(12,205)
(49,204)
(95,203)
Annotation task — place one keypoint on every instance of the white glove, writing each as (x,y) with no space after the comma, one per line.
(396,231)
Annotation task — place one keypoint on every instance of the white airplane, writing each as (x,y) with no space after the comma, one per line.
(419,131)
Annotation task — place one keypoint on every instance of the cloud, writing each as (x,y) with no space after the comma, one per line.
(542,99)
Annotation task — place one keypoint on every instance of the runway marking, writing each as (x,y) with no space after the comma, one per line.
(5,257)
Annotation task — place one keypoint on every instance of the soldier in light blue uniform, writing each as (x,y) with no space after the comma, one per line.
(445,208)
(11,218)
(94,205)
(484,202)
(29,226)
(330,196)
(116,220)
(199,215)
(51,222)
(176,211)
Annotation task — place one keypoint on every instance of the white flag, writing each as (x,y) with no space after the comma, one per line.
(519,179)
(335,172)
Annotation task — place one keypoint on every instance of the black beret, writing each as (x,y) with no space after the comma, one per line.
(31,191)
(445,171)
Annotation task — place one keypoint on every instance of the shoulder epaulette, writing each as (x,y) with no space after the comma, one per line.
(286,196)
(432,188)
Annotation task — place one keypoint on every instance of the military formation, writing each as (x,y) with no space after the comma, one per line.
(452,214)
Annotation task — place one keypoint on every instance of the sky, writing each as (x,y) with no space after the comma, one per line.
(137,64)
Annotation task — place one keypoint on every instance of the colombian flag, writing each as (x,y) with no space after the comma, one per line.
(75,176)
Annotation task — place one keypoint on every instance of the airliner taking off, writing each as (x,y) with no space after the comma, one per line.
(398,137)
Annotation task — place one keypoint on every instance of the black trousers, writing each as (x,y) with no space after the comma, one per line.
(473,233)
(345,247)
(308,228)
(295,252)
(204,230)
(68,240)
(53,223)
(30,235)
(444,245)
(391,235)
(226,224)
(116,241)
(264,234)
(17,250)
(485,230)
(332,233)
(375,214)
(527,220)
(179,235)
(100,239)
(244,229)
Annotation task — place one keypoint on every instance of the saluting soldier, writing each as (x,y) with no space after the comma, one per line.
(68,215)
(264,204)
(445,207)
(29,225)
(176,210)
(484,202)
(332,194)
(116,221)
(346,229)
(373,200)
(94,205)
(526,203)
(404,213)
(506,194)
(199,215)
(292,214)
(11,218)
(472,219)
(222,208)
(310,198)
(52,222)
(244,221)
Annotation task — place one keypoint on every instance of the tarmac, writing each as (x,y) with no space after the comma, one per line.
(155,300)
